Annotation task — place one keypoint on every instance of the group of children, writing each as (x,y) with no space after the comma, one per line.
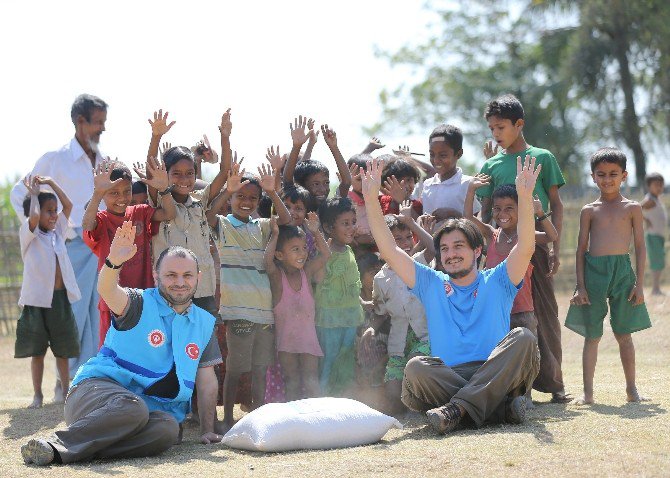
(293,276)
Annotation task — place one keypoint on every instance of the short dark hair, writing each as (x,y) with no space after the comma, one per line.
(295,193)
(506,106)
(505,191)
(139,187)
(400,169)
(360,160)
(368,261)
(304,169)
(286,233)
(451,134)
(175,154)
(331,209)
(472,235)
(248,178)
(42,197)
(651,177)
(393,223)
(84,105)
(120,171)
(264,206)
(177,251)
(608,155)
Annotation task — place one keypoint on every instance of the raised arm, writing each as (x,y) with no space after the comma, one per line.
(159,181)
(549,232)
(33,188)
(268,183)
(101,184)
(121,250)
(159,126)
(479,180)
(425,239)
(298,137)
(226,128)
(519,256)
(373,145)
(396,258)
(269,257)
(330,138)
(62,197)
(318,264)
(313,137)
(234,184)
(276,161)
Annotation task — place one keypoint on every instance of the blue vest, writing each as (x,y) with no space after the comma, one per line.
(140,357)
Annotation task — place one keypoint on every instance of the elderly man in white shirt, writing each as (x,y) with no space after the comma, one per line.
(72,168)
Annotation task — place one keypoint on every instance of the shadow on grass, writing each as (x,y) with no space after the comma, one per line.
(24,422)
(633,410)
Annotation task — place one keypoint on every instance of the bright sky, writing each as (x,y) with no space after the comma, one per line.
(267,60)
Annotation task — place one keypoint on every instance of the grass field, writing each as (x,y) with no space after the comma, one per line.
(611,438)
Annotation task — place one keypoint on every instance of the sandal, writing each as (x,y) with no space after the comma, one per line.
(561,398)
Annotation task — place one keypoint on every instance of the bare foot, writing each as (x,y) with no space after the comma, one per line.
(584,400)
(656,292)
(222,427)
(37,401)
(59,396)
(634,396)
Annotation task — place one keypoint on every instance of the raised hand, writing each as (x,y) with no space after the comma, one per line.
(102,175)
(204,151)
(395,189)
(275,158)
(537,206)
(490,149)
(355,172)
(140,169)
(329,136)
(123,245)
(235,180)
(164,147)
(160,126)
(313,135)
(406,209)
(32,185)
(157,176)
(372,180)
(480,180)
(226,126)
(267,175)
(298,134)
(526,176)
(44,180)
(374,143)
(312,222)
(427,223)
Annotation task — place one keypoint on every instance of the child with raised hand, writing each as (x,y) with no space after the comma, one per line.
(399,179)
(112,184)
(189,228)
(408,333)
(656,224)
(311,174)
(291,275)
(297,200)
(604,272)
(338,308)
(246,299)
(364,241)
(48,287)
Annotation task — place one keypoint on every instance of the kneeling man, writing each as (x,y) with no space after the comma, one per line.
(480,369)
(129,399)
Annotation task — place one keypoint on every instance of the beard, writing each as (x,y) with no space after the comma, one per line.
(459,274)
(171,299)
(95,147)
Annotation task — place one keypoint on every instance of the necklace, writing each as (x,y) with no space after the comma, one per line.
(508,239)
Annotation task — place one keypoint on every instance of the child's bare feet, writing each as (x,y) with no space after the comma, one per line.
(37,401)
(584,400)
(634,396)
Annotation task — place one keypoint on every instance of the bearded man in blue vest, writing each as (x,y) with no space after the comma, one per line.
(129,399)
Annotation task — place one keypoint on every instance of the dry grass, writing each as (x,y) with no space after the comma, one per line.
(612,438)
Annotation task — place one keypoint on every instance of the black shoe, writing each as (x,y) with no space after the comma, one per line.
(515,410)
(38,452)
(444,419)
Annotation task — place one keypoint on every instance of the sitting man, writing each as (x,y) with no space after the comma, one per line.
(128,400)
(480,368)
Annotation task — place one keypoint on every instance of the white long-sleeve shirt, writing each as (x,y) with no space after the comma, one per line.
(72,170)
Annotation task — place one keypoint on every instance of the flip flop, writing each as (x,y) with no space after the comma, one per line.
(561,398)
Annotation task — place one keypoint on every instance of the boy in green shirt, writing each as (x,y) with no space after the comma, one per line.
(505,117)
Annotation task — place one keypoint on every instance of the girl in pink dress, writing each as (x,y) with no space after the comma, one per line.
(291,275)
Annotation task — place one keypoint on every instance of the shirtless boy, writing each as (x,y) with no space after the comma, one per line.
(604,272)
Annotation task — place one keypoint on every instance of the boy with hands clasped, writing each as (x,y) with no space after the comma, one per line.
(604,272)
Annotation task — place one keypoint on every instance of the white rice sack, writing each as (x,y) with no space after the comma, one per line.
(312,423)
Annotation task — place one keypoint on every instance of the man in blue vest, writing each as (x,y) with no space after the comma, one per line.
(129,399)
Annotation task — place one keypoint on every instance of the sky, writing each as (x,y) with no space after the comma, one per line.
(267,61)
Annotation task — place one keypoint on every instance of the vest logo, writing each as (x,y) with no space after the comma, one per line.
(192,351)
(156,338)
(474,294)
(448,289)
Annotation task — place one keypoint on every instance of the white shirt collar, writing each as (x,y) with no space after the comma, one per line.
(455,179)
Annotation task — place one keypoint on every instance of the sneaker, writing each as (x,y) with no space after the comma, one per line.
(444,419)
(515,410)
(38,452)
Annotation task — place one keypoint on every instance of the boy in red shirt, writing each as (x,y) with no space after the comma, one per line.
(113,185)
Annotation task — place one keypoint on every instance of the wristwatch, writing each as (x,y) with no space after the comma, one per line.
(112,266)
(166,191)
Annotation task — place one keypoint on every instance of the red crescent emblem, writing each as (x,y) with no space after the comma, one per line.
(448,289)
(192,351)
(156,338)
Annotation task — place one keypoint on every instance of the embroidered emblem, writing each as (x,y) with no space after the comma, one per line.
(139,228)
(448,289)
(474,294)
(192,351)
(156,338)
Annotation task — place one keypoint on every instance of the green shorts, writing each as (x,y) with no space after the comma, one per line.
(250,345)
(395,367)
(39,328)
(655,251)
(607,278)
